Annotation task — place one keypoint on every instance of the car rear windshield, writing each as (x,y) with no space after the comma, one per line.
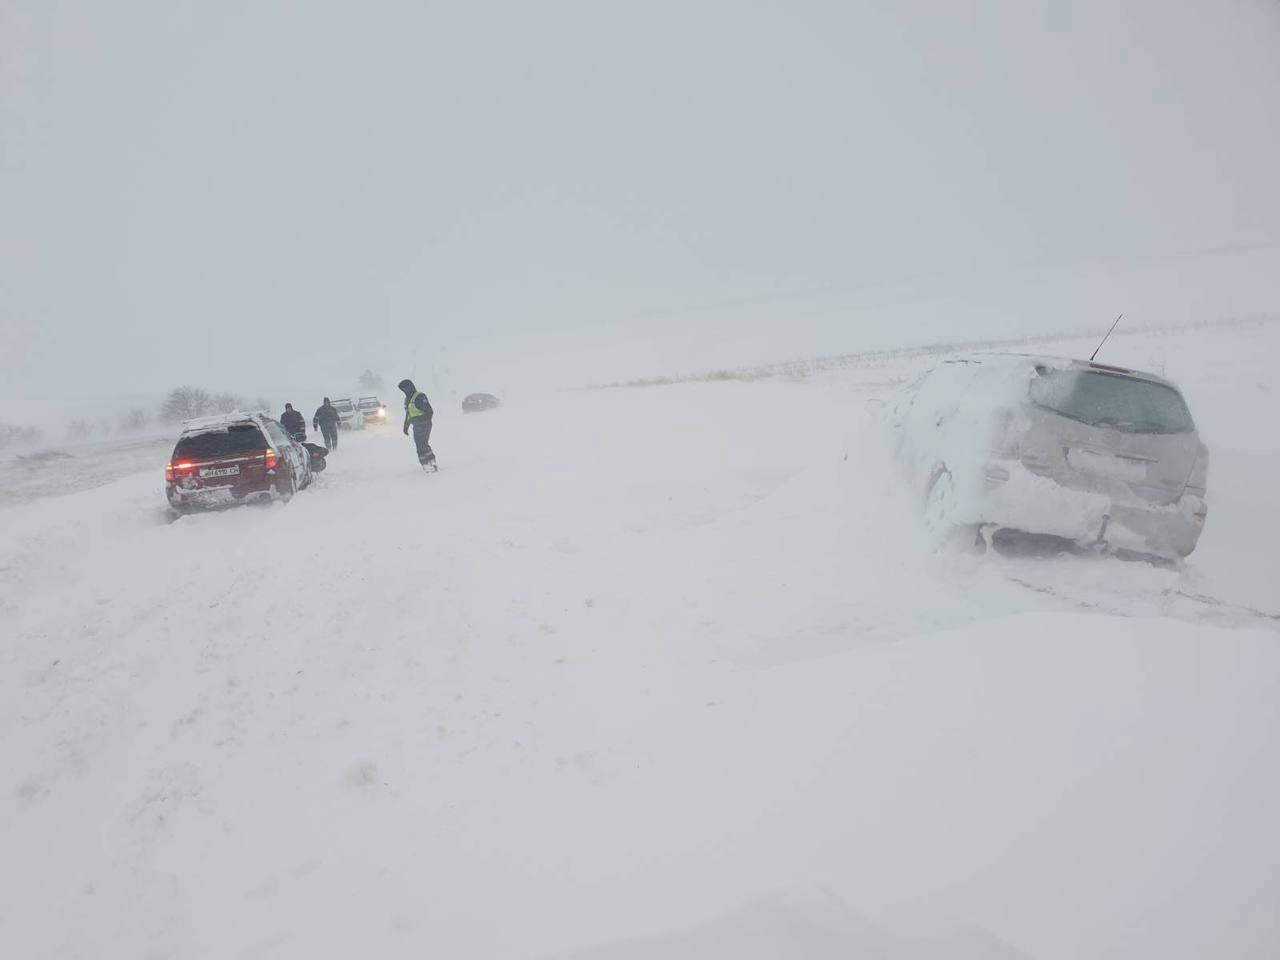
(238,438)
(1127,404)
(343,405)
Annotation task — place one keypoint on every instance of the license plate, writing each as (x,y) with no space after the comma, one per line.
(1108,465)
(219,471)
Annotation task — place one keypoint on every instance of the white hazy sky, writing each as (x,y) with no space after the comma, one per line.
(258,195)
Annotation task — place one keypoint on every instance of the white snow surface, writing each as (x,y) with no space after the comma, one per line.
(644,672)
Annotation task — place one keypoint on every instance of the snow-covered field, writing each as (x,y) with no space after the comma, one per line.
(644,672)
(58,469)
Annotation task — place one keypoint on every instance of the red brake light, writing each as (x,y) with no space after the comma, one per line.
(185,466)
(271,459)
(168,473)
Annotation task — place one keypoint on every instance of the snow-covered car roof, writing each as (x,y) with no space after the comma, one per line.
(219,422)
(1063,363)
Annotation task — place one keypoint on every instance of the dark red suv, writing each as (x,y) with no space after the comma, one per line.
(236,458)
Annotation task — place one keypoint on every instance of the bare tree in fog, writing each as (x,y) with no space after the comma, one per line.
(184,403)
(134,421)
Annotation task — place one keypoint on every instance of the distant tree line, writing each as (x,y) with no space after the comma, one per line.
(186,403)
(12,435)
(181,403)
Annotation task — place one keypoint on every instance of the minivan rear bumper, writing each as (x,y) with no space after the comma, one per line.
(1010,496)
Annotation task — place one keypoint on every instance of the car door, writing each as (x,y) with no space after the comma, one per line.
(292,453)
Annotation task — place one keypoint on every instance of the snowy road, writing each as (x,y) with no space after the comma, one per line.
(642,672)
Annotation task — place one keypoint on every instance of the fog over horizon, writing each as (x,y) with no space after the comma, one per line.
(268,199)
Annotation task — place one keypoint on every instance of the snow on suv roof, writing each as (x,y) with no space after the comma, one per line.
(219,422)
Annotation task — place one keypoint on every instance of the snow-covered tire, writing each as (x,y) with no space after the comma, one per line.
(939,503)
(287,487)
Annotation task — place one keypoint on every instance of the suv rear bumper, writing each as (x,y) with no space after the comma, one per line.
(212,498)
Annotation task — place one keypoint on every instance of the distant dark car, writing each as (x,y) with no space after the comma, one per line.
(232,459)
(475,402)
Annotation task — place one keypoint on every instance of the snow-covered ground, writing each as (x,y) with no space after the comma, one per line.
(55,468)
(644,672)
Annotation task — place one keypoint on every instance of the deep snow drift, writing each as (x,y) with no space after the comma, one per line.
(666,672)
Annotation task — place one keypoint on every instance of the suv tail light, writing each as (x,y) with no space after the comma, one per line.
(271,459)
(171,470)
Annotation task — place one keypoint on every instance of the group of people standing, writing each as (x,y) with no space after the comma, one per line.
(325,420)
(417,416)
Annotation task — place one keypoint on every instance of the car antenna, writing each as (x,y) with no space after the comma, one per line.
(1104,339)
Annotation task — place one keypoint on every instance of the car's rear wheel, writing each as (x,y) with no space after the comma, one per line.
(286,487)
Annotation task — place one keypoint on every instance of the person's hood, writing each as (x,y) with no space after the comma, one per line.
(408,387)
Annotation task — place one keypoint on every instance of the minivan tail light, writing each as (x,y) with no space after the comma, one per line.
(271,459)
(1198,481)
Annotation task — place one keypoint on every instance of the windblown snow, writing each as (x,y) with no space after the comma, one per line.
(643,672)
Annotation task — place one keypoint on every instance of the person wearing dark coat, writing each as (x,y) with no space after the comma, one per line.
(326,421)
(294,423)
(418,414)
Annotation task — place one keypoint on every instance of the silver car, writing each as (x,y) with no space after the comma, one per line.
(349,416)
(1097,454)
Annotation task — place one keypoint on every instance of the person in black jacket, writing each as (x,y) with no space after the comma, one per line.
(294,423)
(418,414)
(326,421)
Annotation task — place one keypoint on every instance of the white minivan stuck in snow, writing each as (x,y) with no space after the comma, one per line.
(1102,456)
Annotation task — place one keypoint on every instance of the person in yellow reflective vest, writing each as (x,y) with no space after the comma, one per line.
(418,414)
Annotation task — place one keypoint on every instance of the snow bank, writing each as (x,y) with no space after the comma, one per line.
(638,671)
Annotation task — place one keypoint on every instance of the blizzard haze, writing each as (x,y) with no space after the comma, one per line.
(742,654)
(270,198)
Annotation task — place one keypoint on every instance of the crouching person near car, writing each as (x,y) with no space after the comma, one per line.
(326,421)
(418,414)
(294,423)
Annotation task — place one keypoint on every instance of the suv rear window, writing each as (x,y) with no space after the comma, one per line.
(238,438)
(1127,404)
